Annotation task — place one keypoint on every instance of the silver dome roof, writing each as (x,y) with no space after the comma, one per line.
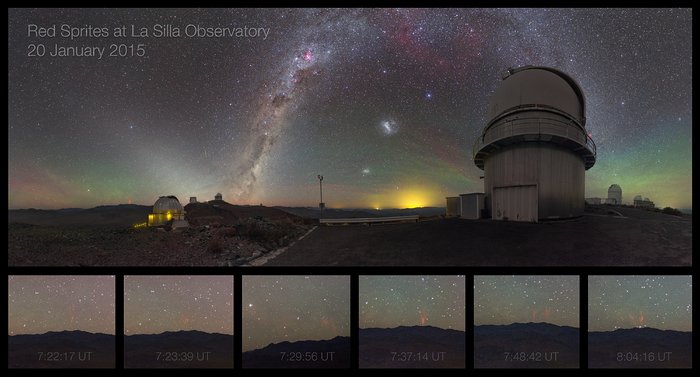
(540,86)
(166,204)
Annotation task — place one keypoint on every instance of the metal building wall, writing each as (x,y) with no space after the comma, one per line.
(471,205)
(515,203)
(558,174)
(453,206)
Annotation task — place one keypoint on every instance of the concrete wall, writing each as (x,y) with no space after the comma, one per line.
(558,174)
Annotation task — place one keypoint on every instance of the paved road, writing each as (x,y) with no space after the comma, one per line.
(641,239)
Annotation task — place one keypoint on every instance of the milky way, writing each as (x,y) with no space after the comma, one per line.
(39,304)
(502,300)
(623,302)
(293,308)
(401,93)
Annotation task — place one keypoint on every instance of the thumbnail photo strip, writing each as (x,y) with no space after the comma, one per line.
(306,321)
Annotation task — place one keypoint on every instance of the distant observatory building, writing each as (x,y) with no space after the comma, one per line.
(640,202)
(166,209)
(218,196)
(614,194)
(535,149)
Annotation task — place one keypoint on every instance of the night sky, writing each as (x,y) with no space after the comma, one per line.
(293,308)
(502,300)
(155,304)
(385,103)
(623,302)
(392,301)
(39,304)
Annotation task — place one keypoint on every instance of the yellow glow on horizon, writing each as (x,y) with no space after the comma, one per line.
(413,198)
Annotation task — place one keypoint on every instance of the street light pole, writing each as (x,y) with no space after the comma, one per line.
(321,204)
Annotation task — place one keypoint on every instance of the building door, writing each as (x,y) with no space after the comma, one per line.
(515,203)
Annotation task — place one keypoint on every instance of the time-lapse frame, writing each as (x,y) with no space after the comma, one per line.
(296,321)
(178,321)
(640,321)
(411,321)
(61,321)
(526,321)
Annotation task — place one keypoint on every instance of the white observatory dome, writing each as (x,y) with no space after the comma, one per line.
(614,188)
(538,86)
(166,204)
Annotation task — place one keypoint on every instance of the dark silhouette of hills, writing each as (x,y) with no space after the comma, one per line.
(180,349)
(412,347)
(529,345)
(221,212)
(332,353)
(220,234)
(126,215)
(640,348)
(338,213)
(63,349)
(122,215)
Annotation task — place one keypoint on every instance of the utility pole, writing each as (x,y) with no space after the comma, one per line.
(321,204)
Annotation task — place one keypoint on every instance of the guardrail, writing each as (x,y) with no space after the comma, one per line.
(369,220)
(533,126)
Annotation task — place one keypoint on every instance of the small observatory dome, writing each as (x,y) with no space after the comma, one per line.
(166,204)
(615,194)
(165,210)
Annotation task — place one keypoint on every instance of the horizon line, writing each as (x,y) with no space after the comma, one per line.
(295,341)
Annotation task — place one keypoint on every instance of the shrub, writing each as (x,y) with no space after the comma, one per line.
(265,231)
(672,211)
(216,245)
(226,232)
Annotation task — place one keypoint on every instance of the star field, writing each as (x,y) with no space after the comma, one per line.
(294,308)
(39,304)
(155,304)
(400,93)
(503,300)
(392,301)
(622,302)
